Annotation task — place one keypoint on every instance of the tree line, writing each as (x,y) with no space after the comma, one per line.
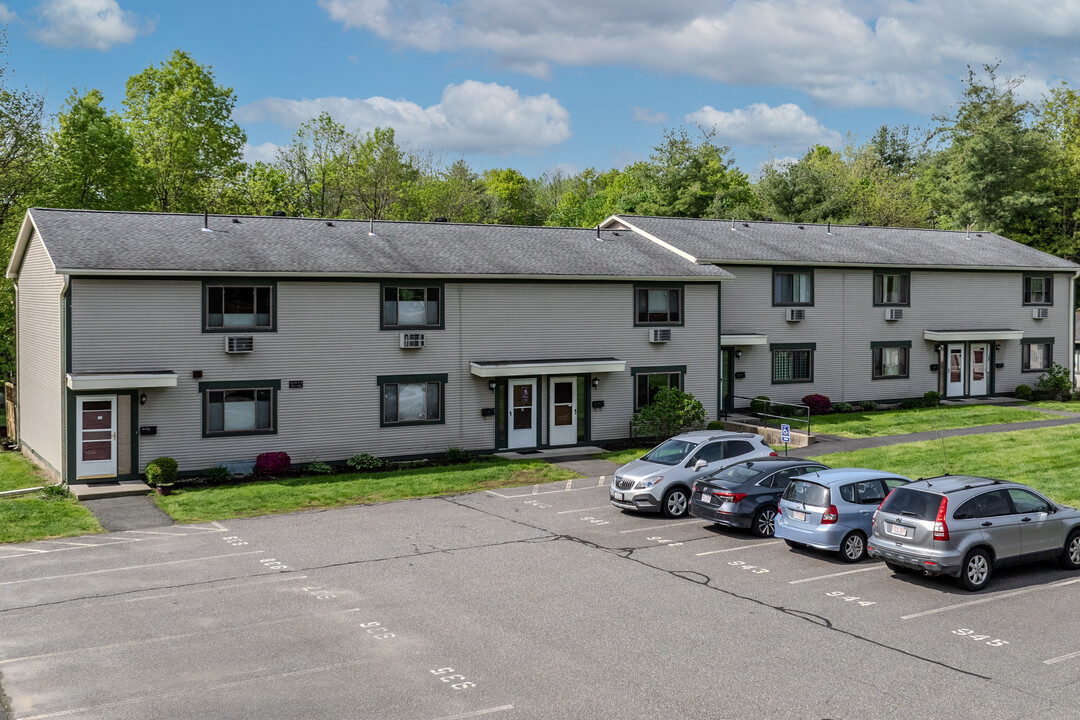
(993,162)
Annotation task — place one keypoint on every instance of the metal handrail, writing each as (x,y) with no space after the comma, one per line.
(768,406)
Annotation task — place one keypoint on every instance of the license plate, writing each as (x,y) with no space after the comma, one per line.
(798,515)
(901,531)
(617,496)
(706,498)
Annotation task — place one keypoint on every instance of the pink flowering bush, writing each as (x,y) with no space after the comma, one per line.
(272,463)
(818,404)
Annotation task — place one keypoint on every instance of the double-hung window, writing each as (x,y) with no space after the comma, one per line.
(247,307)
(892,287)
(1038,289)
(412,399)
(890,359)
(793,286)
(650,381)
(658,305)
(1036,354)
(239,408)
(793,363)
(411,306)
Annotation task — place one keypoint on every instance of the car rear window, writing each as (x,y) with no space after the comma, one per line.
(736,475)
(912,503)
(808,493)
(671,452)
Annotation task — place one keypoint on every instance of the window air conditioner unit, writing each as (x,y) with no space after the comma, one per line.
(795,314)
(1040,313)
(659,335)
(894,314)
(411,340)
(239,343)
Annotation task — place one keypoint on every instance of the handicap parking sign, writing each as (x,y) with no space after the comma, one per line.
(785,433)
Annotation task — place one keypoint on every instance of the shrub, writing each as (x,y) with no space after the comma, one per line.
(1055,383)
(760,405)
(318,468)
(363,461)
(161,471)
(217,474)
(1076,395)
(931,398)
(841,407)
(818,404)
(868,406)
(715,425)
(55,492)
(456,455)
(272,463)
(671,412)
(912,403)
(1024,392)
(786,411)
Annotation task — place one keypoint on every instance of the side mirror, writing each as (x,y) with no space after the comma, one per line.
(700,464)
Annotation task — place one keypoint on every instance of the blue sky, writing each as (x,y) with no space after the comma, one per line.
(558,83)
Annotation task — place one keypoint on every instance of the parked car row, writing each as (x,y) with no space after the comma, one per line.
(737,480)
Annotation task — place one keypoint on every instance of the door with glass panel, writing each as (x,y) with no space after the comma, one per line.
(980,368)
(563,412)
(954,379)
(95,437)
(521,432)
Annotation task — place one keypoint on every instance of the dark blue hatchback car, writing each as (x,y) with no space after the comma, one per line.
(746,495)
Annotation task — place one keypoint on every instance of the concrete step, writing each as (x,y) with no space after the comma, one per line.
(115,488)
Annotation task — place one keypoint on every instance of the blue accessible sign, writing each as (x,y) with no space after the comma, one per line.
(785,433)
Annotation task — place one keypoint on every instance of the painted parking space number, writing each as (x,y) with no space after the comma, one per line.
(377,630)
(972,635)
(455,680)
(841,595)
(752,568)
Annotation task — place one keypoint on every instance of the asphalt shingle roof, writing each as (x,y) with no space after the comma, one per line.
(82,240)
(777,243)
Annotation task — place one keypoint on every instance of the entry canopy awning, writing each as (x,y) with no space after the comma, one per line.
(121,380)
(572,366)
(751,339)
(963,335)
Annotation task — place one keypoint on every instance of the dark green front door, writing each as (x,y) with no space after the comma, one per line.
(727,375)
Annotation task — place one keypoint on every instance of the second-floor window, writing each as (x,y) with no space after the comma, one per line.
(411,307)
(793,287)
(1038,290)
(891,288)
(658,306)
(239,307)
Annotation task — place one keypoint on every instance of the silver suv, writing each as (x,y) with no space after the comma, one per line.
(966,526)
(661,480)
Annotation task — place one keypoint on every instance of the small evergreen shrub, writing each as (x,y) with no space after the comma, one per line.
(715,425)
(55,492)
(363,461)
(1024,392)
(841,407)
(760,405)
(272,463)
(217,474)
(1055,383)
(671,412)
(1076,395)
(912,403)
(931,398)
(161,471)
(818,404)
(319,468)
(455,455)
(868,406)
(786,411)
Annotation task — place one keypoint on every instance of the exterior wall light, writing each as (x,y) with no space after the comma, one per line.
(142,399)
(491,385)
(595,382)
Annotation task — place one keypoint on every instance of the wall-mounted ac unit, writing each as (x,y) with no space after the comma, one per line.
(412,340)
(659,335)
(239,343)
(1040,313)
(894,313)
(795,314)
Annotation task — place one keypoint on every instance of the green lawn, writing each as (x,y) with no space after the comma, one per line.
(1071,406)
(1045,459)
(624,456)
(28,517)
(897,422)
(266,497)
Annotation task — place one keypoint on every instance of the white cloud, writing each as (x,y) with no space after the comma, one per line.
(646,116)
(7,15)
(266,152)
(472,117)
(90,24)
(906,53)
(785,126)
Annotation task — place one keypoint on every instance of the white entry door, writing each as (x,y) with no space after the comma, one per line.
(95,436)
(563,411)
(954,381)
(522,421)
(980,368)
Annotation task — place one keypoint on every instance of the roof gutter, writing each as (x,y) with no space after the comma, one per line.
(77,272)
(902,266)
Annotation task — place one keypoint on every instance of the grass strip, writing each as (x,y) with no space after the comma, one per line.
(28,517)
(901,422)
(268,497)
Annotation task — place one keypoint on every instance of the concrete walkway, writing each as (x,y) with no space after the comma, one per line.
(136,512)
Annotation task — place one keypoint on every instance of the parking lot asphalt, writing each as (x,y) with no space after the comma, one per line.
(535,602)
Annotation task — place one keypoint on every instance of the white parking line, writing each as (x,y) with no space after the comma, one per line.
(546,492)
(67,542)
(151,532)
(1070,656)
(740,547)
(129,567)
(536,490)
(601,481)
(661,527)
(832,575)
(571,512)
(478,713)
(980,601)
(569,483)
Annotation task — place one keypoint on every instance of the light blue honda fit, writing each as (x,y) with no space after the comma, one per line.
(832,509)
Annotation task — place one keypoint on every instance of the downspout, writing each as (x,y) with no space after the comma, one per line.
(65,352)
(1072,327)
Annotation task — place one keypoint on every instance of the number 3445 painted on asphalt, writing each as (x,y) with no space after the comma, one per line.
(964,632)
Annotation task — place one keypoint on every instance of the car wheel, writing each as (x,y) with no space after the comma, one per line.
(764,522)
(898,569)
(853,547)
(975,573)
(794,545)
(1070,556)
(675,503)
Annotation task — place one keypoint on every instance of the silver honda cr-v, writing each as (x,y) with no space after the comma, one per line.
(966,526)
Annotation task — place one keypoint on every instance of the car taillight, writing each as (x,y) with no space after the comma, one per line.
(883,501)
(774,454)
(941,530)
(731,497)
(695,487)
(830,516)
(778,510)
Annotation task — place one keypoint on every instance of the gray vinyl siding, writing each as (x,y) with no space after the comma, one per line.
(843,322)
(39,366)
(328,336)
